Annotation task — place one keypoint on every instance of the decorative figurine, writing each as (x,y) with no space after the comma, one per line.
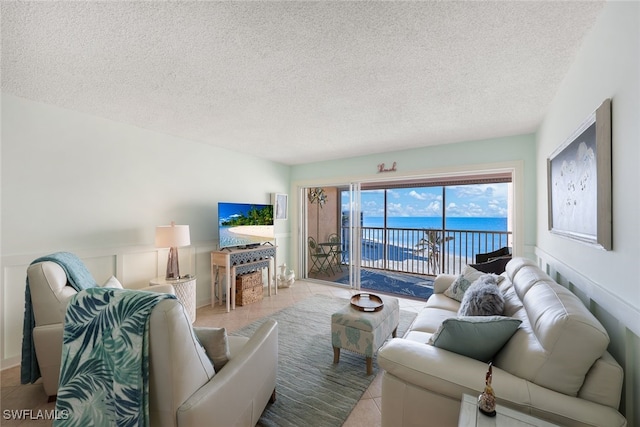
(487,400)
(285,279)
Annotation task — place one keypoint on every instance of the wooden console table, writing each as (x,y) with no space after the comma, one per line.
(239,261)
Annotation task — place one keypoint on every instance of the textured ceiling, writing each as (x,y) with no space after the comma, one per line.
(297,82)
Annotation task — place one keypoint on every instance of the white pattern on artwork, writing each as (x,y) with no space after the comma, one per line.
(575,190)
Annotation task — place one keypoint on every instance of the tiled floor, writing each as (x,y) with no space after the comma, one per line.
(366,413)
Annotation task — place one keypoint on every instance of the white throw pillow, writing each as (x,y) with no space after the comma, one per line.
(216,344)
(112,282)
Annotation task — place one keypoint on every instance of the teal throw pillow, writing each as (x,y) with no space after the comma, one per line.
(478,337)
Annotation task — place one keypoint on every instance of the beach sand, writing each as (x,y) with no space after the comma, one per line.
(453,265)
(265,231)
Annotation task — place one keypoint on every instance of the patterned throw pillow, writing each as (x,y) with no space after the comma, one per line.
(462,283)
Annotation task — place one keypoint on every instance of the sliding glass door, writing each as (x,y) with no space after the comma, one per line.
(404,231)
(331,234)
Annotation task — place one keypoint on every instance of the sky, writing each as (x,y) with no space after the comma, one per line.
(478,200)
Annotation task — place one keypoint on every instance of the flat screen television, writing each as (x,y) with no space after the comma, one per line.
(244,224)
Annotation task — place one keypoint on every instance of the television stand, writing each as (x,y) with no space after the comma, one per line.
(236,261)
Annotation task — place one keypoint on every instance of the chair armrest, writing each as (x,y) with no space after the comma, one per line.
(442,282)
(47,340)
(242,388)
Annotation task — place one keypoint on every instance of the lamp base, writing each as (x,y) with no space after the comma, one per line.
(173,269)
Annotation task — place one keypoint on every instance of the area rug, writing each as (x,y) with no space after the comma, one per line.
(394,283)
(311,390)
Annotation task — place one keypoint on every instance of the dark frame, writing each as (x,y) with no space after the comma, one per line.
(579,182)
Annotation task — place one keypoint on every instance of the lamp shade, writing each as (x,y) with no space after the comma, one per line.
(172,236)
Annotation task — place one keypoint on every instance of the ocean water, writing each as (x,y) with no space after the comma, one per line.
(453,223)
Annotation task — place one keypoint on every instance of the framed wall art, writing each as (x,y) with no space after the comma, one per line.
(280,202)
(579,182)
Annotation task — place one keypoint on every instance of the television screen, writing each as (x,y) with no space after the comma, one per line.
(244,224)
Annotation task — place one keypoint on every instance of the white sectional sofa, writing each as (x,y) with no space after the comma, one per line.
(555,366)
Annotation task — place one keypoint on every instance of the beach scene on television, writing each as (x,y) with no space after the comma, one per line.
(244,224)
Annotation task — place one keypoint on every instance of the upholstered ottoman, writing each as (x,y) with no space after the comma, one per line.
(364,332)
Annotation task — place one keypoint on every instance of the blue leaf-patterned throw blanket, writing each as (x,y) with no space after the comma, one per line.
(105,360)
(79,278)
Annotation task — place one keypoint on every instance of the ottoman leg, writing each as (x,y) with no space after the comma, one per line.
(369,365)
(395,331)
(336,354)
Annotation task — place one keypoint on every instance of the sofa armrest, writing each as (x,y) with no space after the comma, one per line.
(250,374)
(448,374)
(442,282)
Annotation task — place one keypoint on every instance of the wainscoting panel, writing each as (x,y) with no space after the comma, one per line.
(133,266)
(138,268)
(101,267)
(14,279)
(621,321)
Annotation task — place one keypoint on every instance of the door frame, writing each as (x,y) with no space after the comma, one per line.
(516,168)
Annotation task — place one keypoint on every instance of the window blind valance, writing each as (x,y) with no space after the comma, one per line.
(441,181)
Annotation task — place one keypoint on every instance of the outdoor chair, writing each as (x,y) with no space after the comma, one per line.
(336,251)
(502,252)
(493,262)
(321,260)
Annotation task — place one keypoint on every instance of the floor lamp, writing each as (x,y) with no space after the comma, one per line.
(172,236)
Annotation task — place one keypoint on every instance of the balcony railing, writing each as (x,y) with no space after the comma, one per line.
(420,251)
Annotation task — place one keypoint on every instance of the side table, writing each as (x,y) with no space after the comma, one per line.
(505,417)
(185,288)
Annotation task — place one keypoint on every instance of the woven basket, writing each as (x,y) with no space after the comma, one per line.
(249,288)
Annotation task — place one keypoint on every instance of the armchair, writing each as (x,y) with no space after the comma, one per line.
(142,363)
(183,391)
(50,293)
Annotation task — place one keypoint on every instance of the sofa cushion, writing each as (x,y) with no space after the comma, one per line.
(462,283)
(442,302)
(479,337)
(559,339)
(483,298)
(430,319)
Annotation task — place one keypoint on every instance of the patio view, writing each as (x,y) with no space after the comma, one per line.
(407,233)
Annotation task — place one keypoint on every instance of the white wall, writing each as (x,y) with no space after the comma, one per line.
(98,188)
(607,66)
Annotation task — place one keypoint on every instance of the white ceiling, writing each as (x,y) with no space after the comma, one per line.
(298,82)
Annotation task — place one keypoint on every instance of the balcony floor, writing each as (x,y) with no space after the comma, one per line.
(395,283)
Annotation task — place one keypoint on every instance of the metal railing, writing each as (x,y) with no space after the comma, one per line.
(420,251)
